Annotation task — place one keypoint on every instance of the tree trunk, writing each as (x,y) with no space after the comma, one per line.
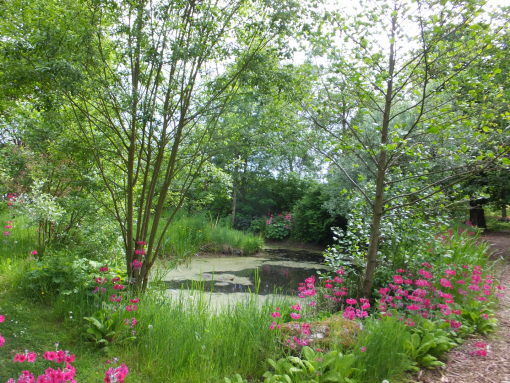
(503,212)
(377,207)
(477,214)
(234,193)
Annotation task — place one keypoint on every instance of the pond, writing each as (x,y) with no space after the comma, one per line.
(278,271)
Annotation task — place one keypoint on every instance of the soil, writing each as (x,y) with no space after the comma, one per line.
(462,367)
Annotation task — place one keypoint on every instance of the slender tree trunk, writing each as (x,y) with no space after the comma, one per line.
(377,207)
(234,193)
(503,212)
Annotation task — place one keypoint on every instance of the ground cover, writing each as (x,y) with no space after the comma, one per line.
(183,340)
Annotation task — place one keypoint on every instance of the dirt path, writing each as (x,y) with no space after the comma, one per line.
(462,367)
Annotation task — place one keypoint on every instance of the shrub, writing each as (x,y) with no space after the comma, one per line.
(312,221)
(61,274)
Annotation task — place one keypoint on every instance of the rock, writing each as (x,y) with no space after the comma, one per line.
(335,329)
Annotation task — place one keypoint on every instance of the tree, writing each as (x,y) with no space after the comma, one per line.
(157,78)
(389,102)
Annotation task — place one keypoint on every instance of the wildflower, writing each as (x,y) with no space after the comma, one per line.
(140,243)
(7,233)
(351,301)
(118,287)
(115,279)
(2,318)
(136,264)
(20,358)
(398,279)
(295,316)
(296,307)
(312,303)
(446,283)
(33,252)
(480,344)
(338,280)
(136,300)
(26,377)
(363,349)
(104,269)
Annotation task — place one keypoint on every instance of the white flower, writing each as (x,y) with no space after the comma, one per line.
(150,327)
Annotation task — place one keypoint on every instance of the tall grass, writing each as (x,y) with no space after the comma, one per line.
(23,239)
(185,340)
(188,235)
(381,350)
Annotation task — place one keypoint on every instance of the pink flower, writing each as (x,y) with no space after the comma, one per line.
(33,252)
(136,264)
(363,349)
(398,279)
(140,243)
(116,374)
(296,307)
(103,268)
(116,279)
(338,280)
(136,300)
(312,303)
(2,318)
(50,355)
(480,344)
(118,287)
(20,358)
(26,377)
(295,316)
(2,340)
(351,301)
(31,356)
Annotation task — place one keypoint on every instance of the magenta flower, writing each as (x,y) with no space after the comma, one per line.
(7,233)
(136,300)
(351,301)
(33,252)
(446,283)
(104,269)
(2,318)
(363,349)
(118,287)
(295,316)
(116,279)
(50,355)
(20,358)
(2,340)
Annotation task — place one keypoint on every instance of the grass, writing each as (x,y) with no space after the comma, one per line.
(384,355)
(188,235)
(180,340)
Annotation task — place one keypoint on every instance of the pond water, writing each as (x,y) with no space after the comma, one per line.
(279,270)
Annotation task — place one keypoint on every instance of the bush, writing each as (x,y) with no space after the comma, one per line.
(62,274)
(278,227)
(312,221)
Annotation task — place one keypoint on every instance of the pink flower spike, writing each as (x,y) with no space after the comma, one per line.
(363,349)
(2,318)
